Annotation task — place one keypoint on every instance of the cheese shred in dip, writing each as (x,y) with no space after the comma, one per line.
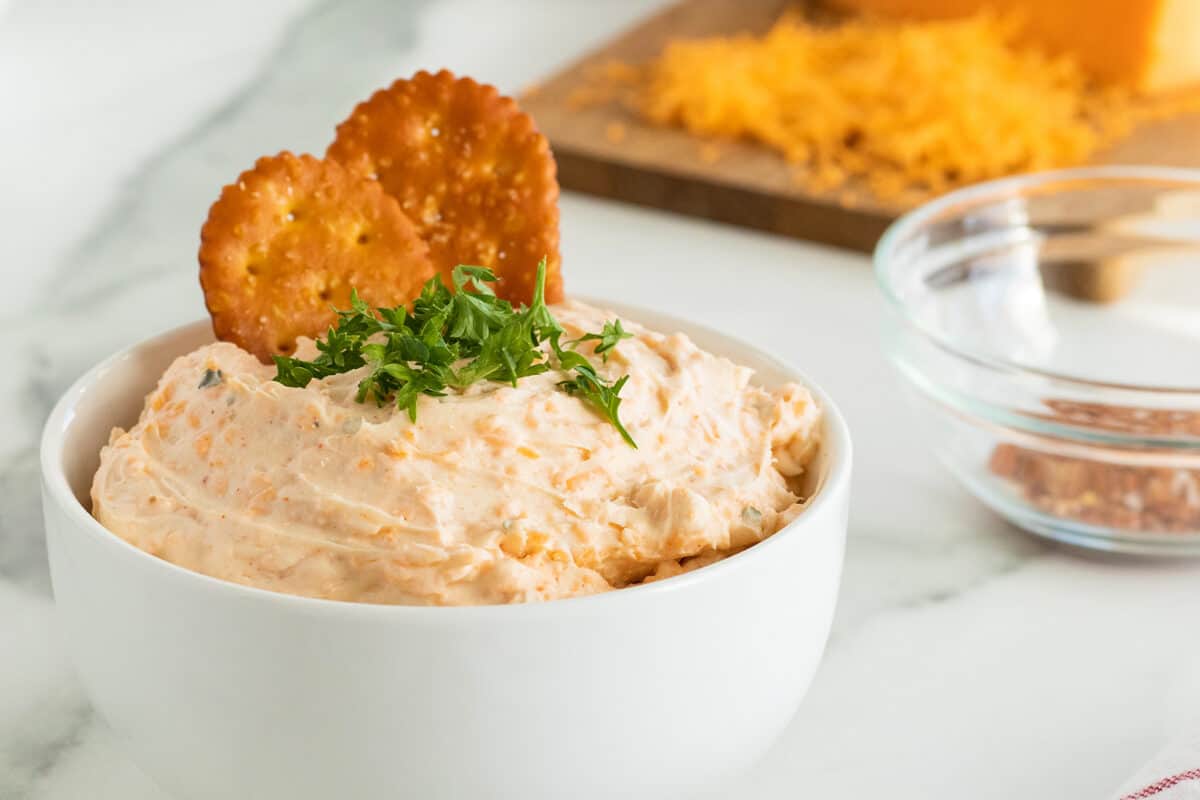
(496,494)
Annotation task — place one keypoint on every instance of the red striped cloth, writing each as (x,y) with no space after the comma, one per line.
(1181,785)
(1174,774)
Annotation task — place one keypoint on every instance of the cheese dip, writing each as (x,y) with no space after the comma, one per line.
(495,494)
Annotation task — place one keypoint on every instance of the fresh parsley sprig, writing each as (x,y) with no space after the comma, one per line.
(604,397)
(609,336)
(450,340)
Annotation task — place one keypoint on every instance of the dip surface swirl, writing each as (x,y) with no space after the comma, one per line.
(495,494)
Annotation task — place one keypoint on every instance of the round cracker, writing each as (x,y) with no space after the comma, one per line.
(470,169)
(288,241)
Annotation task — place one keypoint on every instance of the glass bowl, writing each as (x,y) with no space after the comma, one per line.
(1047,328)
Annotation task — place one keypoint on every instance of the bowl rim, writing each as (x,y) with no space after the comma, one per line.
(1004,188)
(834,482)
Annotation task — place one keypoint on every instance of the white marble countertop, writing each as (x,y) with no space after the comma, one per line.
(967,660)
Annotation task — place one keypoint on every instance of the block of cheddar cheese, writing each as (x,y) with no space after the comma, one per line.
(1152,45)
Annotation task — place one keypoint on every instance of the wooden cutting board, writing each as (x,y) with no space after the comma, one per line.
(748,185)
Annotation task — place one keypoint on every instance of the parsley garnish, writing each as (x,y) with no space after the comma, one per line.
(608,338)
(450,340)
(588,385)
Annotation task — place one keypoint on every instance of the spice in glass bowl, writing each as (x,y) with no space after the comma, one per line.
(1119,493)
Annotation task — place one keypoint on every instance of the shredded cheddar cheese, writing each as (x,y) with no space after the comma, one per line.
(906,108)
(615,132)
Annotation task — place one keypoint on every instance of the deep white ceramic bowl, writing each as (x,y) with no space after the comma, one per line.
(221,691)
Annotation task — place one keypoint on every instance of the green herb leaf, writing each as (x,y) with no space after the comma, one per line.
(545,327)
(609,336)
(603,397)
(479,277)
(212,377)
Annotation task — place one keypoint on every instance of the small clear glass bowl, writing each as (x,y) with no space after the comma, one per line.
(1047,327)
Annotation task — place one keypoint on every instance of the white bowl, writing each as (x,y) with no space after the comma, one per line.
(222,691)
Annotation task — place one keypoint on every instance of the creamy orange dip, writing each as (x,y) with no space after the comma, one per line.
(494,495)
